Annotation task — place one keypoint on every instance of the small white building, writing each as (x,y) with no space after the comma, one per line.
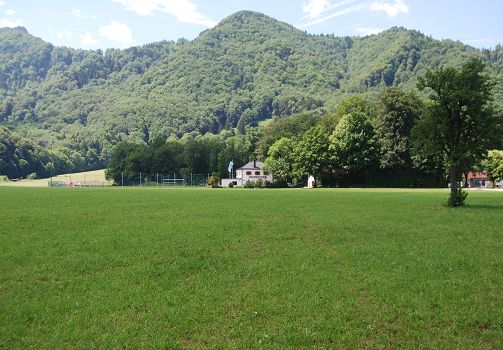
(251,171)
(311,182)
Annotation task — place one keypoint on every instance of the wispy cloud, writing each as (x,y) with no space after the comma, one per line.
(315,8)
(345,11)
(64,34)
(319,11)
(392,9)
(118,33)
(368,30)
(10,22)
(88,40)
(184,10)
(77,13)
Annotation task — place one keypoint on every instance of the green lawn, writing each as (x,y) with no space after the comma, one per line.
(239,269)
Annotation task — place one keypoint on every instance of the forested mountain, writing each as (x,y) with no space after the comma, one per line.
(248,68)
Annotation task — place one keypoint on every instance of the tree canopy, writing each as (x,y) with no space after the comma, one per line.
(460,121)
(247,69)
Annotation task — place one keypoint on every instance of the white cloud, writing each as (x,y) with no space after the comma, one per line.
(10,12)
(118,33)
(2,3)
(88,40)
(392,9)
(368,31)
(64,34)
(350,9)
(9,22)
(315,8)
(77,13)
(184,10)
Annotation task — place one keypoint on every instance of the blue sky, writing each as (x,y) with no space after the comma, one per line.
(123,23)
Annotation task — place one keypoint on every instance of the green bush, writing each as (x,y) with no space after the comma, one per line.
(4,178)
(32,176)
(213,181)
(231,184)
(259,183)
(457,199)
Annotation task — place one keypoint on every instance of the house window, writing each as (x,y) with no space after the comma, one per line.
(257,173)
(248,173)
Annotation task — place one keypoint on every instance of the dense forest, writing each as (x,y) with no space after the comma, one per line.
(64,109)
(364,142)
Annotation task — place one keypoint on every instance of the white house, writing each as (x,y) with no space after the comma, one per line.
(251,171)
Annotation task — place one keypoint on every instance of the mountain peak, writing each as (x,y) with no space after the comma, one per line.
(247,18)
(246,14)
(18,29)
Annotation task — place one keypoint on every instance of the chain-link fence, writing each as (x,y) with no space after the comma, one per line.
(159,180)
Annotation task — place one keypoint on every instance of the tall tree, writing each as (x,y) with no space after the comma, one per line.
(400,111)
(280,160)
(494,165)
(353,144)
(460,120)
(311,153)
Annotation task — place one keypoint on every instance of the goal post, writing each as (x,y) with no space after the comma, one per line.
(173,182)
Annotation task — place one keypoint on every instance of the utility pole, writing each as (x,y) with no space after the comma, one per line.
(140,179)
(122,179)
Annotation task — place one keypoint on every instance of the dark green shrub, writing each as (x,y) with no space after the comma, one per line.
(249,184)
(457,199)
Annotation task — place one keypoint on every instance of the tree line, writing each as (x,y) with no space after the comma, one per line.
(396,139)
(247,69)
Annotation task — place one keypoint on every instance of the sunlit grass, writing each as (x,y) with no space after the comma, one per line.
(175,268)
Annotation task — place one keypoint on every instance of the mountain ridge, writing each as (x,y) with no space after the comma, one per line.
(250,67)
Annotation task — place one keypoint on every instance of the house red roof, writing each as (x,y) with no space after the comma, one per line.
(478,175)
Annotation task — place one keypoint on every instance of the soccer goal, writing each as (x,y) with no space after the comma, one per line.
(173,182)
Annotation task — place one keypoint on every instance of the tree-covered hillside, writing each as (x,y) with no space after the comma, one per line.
(247,69)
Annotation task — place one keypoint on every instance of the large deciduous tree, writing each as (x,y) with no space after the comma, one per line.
(280,159)
(400,111)
(311,153)
(494,165)
(460,121)
(353,145)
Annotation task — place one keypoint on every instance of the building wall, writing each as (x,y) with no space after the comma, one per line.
(245,175)
(479,183)
(226,182)
(253,174)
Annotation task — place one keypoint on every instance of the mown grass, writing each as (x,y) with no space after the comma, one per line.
(245,269)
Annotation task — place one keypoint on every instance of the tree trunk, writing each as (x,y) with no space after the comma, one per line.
(454,178)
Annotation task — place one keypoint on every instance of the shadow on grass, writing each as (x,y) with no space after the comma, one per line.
(483,206)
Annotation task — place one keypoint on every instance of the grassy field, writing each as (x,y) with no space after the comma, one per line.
(84,177)
(249,269)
